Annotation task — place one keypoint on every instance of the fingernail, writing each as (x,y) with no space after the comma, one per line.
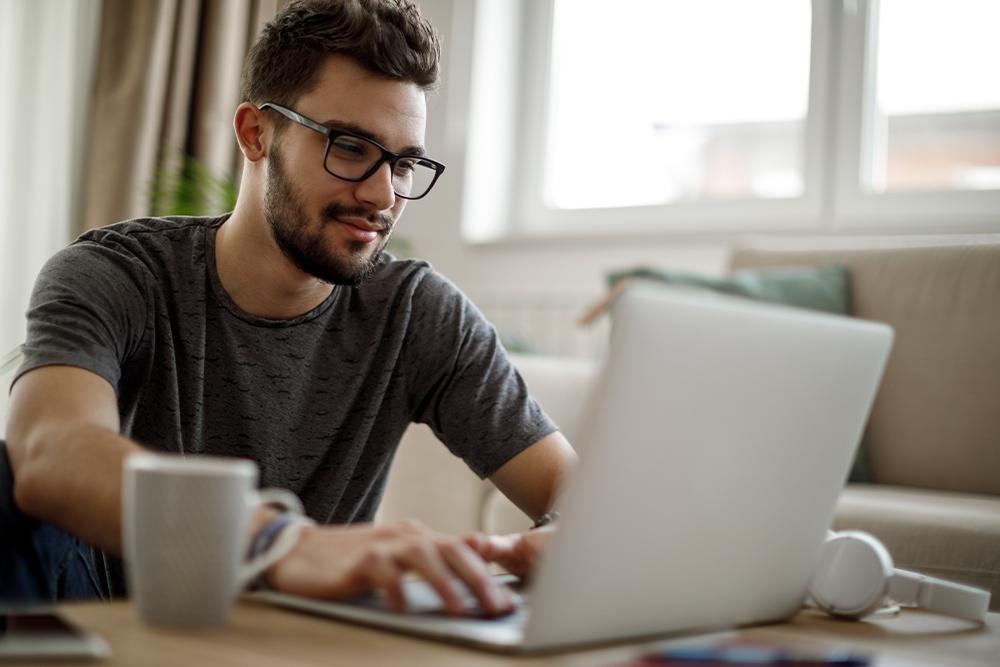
(501,600)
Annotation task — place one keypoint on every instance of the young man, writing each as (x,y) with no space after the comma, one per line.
(282,333)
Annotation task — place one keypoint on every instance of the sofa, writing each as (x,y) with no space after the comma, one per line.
(933,437)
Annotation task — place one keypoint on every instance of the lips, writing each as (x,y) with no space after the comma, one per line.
(358,230)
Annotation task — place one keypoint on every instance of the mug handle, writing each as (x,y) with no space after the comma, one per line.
(286,539)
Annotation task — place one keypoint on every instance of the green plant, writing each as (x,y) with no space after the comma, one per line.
(191,189)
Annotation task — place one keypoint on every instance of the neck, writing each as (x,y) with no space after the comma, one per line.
(257,275)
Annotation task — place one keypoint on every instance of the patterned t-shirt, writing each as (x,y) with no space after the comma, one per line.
(320,401)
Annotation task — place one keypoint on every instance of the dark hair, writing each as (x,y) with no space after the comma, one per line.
(386,37)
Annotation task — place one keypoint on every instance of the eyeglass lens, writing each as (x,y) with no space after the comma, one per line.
(350,157)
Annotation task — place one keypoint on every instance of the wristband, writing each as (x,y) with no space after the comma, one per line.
(277,538)
(266,536)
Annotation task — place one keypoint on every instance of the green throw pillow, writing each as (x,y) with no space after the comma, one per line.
(824,288)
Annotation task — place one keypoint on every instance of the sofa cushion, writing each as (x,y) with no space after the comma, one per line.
(948,535)
(936,420)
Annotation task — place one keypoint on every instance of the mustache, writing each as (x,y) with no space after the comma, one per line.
(333,211)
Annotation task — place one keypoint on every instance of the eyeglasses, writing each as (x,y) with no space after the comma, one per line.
(354,158)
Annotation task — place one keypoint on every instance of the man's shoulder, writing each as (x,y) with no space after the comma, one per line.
(152,230)
(418,275)
(147,245)
(392,275)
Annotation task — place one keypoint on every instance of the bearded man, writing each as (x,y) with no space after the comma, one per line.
(283,332)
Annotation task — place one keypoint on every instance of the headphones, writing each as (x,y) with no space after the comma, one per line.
(855,577)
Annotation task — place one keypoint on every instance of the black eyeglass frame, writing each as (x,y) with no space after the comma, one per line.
(331,134)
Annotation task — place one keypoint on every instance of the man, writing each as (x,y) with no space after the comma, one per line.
(282,332)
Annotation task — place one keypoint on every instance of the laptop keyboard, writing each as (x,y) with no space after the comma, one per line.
(422,600)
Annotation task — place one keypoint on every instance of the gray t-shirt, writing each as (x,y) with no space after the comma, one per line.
(320,401)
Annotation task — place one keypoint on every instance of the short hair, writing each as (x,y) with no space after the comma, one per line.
(386,37)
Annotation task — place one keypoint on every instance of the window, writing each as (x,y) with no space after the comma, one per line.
(726,116)
(689,107)
(936,113)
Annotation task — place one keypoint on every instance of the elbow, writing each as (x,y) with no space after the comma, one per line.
(30,481)
(27,494)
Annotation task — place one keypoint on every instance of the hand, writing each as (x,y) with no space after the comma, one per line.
(345,561)
(517,553)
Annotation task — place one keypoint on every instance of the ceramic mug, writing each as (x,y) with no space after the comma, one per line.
(185,535)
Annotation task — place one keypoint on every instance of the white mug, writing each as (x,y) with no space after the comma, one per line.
(185,528)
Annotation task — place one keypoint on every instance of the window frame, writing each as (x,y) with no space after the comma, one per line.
(833,199)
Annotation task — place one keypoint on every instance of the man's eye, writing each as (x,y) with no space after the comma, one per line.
(405,166)
(349,147)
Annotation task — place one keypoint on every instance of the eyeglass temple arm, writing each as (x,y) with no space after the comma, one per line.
(297,117)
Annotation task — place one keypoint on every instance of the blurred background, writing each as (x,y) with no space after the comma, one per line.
(582,137)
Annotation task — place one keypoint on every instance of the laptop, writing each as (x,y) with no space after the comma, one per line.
(720,435)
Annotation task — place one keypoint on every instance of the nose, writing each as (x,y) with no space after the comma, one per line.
(376,190)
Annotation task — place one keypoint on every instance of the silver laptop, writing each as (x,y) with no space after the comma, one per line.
(720,436)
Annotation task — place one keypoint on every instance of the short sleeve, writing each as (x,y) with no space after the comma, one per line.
(463,385)
(88,309)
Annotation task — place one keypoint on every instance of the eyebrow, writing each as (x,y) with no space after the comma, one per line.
(353,128)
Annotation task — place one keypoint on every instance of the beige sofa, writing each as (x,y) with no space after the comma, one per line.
(933,436)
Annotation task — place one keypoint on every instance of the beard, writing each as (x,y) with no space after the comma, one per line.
(306,247)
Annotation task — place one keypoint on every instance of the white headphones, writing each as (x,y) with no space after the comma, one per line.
(855,577)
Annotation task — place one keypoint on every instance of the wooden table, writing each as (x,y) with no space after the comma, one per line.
(262,635)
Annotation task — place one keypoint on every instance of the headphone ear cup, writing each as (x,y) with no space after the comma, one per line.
(852,575)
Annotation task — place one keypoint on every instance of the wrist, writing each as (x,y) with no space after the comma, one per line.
(290,561)
(261,517)
(274,542)
(546,519)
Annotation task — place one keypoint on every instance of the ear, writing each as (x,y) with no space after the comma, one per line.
(250,129)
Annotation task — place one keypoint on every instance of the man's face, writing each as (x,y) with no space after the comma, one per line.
(332,229)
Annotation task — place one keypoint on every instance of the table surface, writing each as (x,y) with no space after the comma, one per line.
(258,634)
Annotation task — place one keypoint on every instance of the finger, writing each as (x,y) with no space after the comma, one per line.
(422,557)
(478,542)
(383,573)
(506,551)
(490,548)
(470,568)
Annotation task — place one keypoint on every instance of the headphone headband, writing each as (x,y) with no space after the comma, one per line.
(945,597)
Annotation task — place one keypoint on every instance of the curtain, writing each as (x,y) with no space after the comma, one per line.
(167,83)
(47,50)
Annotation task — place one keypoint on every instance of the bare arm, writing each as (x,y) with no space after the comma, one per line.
(66,452)
(532,479)
(67,457)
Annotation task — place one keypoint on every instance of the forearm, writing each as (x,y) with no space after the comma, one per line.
(534,478)
(70,474)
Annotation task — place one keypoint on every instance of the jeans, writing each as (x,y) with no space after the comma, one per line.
(40,563)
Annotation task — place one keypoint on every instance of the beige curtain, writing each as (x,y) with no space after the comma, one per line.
(167,80)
